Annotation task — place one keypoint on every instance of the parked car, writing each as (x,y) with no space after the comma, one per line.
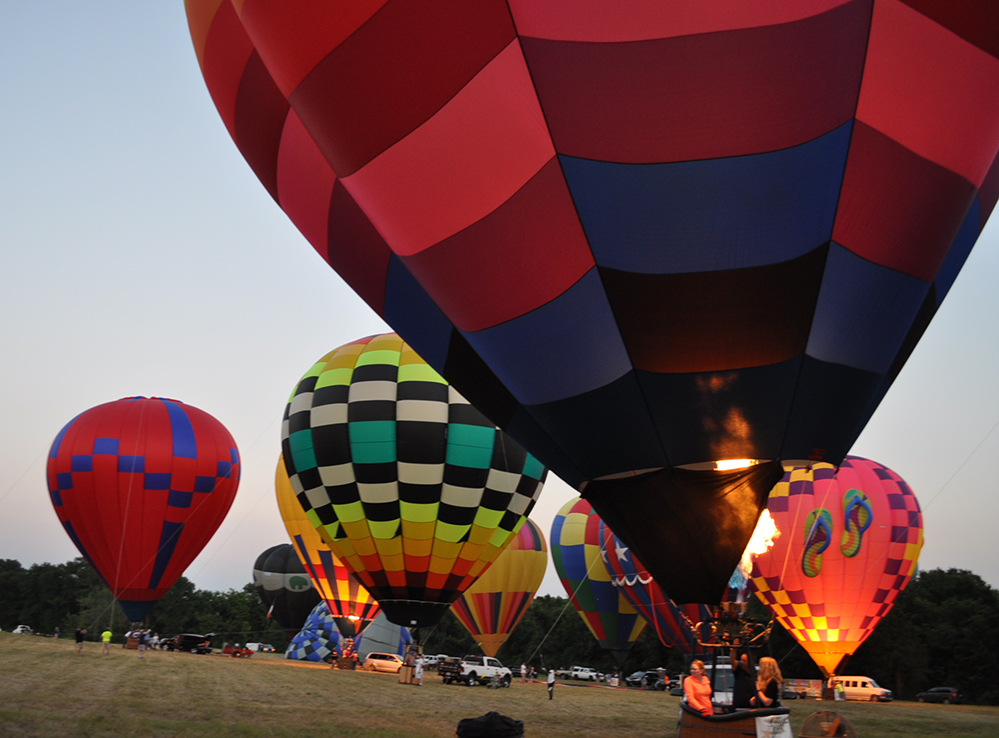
(193,642)
(635,679)
(946,695)
(789,694)
(388,663)
(861,688)
(22,630)
(646,679)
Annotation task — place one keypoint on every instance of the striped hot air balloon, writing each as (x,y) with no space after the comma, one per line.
(347,601)
(498,600)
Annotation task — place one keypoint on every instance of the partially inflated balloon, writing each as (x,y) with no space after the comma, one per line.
(318,639)
(637,237)
(674,624)
(409,485)
(849,543)
(577,556)
(284,586)
(498,600)
(141,485)
(347,600)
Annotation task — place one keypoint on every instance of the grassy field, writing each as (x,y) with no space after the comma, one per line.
(46,689)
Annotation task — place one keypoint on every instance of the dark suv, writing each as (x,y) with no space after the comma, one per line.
(191,642)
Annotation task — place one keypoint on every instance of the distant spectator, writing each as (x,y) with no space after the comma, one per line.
(106,642)
(143,636)
(79,640)
(551,682)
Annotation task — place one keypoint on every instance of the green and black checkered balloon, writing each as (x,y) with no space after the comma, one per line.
(409,485)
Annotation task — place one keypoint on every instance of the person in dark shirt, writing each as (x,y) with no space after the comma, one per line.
(768,684)
(744,677)
(79,640)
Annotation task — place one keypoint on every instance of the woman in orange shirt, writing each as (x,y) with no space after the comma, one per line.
(697,688)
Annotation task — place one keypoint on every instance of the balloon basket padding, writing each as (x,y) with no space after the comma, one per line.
(693,724)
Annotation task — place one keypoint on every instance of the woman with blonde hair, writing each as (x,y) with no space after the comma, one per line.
(769,683)
(697,688)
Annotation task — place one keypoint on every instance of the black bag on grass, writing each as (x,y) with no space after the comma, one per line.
(490,725)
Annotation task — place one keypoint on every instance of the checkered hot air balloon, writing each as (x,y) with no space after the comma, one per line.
(141,485)
(409,485)
(673,623)
(578,559)
(637,236)
(318,638)
(349,603)
(849,543)
(498,600)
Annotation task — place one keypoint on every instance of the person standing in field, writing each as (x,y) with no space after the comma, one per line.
(143,636)
(79,640)
(523,673)
(551,682)
(106,642)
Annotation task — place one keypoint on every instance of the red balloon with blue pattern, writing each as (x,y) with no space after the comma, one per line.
(141,485)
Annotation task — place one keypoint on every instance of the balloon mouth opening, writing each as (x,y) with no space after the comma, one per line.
(715,465)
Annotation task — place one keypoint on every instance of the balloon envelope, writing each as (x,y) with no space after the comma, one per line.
(673,624)
(141,485)
(849,543)
(347,600)
(498,600)
(318,638)
(409,485)
(576,552)
(635,238)
(284,586)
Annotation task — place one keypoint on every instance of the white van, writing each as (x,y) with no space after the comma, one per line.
(861,688)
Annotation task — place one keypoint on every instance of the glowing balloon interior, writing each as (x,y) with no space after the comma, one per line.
(849,543)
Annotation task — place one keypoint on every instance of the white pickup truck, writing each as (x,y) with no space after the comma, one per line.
(585,673)
(484,670)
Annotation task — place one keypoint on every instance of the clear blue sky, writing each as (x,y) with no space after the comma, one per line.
(142,257)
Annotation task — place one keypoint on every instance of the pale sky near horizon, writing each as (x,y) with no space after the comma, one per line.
(143,257)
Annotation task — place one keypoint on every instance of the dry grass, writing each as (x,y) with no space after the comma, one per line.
(47,690)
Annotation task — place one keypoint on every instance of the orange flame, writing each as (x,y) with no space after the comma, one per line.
(761,542)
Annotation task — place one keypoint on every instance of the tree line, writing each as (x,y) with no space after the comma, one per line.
(943,630)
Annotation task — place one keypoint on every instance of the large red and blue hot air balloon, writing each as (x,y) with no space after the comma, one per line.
(141,485)
(640,238)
